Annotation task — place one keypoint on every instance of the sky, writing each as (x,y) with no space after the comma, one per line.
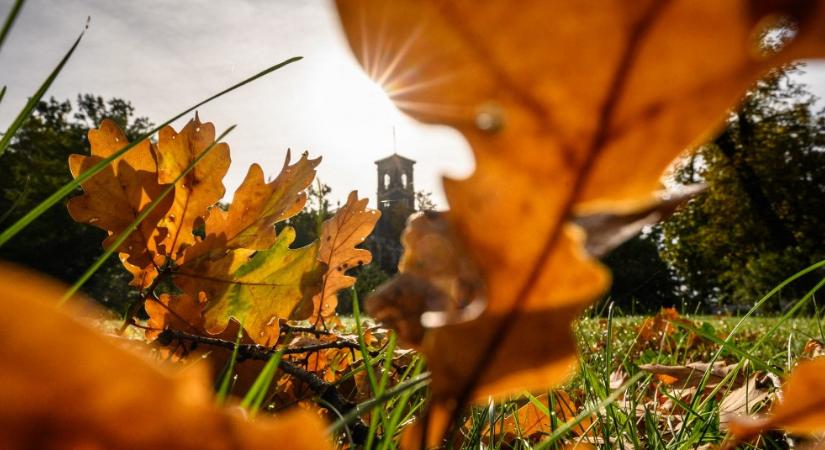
(164,56)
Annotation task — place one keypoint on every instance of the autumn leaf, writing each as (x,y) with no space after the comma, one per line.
(114,197)
(340,235)
(570,108)
(530,420)
(256,207)
(801,408)
(107,397)
(196,191)
(256,288)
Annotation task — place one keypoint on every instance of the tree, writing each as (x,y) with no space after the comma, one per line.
(642,281)
(35,166)
(760,219)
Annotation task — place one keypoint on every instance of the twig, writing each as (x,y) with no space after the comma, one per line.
(297,329)
(251,351)
(325,391)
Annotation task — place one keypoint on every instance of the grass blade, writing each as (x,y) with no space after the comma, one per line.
(135,223)
(24,114)
(10,18)
(72,185)
(412,384)
(223,390)
(253,399)
(561,431)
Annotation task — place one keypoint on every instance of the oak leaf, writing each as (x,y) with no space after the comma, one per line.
(115,196)
(256,207)
(256,288)
(340,235)
(101,387)
(198,190)
(570,108)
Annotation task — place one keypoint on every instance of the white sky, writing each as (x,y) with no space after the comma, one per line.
(164,56)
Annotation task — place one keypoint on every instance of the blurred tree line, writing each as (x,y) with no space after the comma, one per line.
(758,222)
(34,167)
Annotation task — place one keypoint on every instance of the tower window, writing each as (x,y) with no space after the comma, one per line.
(386,181)
(404,180)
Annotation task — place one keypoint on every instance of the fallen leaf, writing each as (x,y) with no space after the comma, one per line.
(255,209)
(66,386)
(749,398)
(691,374)
(255,288)
(565,108)
(801,408)
(606,231)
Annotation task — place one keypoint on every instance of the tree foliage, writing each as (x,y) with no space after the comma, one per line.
(760,219)
(35,166)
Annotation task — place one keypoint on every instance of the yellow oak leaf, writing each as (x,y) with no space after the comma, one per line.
(256,207)
(67,386)
(570,108)
(195,192)
(115,196)
(340,235)
(255,288)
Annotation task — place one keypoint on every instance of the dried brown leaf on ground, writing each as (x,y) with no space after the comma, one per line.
(692,374)
(801,409)
(749,398)
(532,422)
(566,111)
(64,385)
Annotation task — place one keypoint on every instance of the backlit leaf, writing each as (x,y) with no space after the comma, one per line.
(569,107)
(340,235)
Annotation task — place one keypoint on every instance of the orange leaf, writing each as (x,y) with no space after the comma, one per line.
(569,107)
(802,406)
(256,207)
(66,386)
(340,235)
(198,190)
(115,196)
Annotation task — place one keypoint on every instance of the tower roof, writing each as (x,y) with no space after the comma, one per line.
(395,157)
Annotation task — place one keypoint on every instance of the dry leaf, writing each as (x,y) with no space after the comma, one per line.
(801,408)
(235,267)
(115,196)
(691,374)
(749,398)
(196,191)
(606,231)
(66,386)
(566,110)
(340,235)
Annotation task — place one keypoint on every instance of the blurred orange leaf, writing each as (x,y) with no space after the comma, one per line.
(66,386)
(570,108)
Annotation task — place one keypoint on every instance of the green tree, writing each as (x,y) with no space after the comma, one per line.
(36,165)
(642,281)
(761,218)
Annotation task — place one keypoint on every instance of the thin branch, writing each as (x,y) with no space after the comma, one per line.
(297,329)
(325,391)
(252,351)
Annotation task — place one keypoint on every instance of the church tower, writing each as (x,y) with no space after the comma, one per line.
(395,183)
